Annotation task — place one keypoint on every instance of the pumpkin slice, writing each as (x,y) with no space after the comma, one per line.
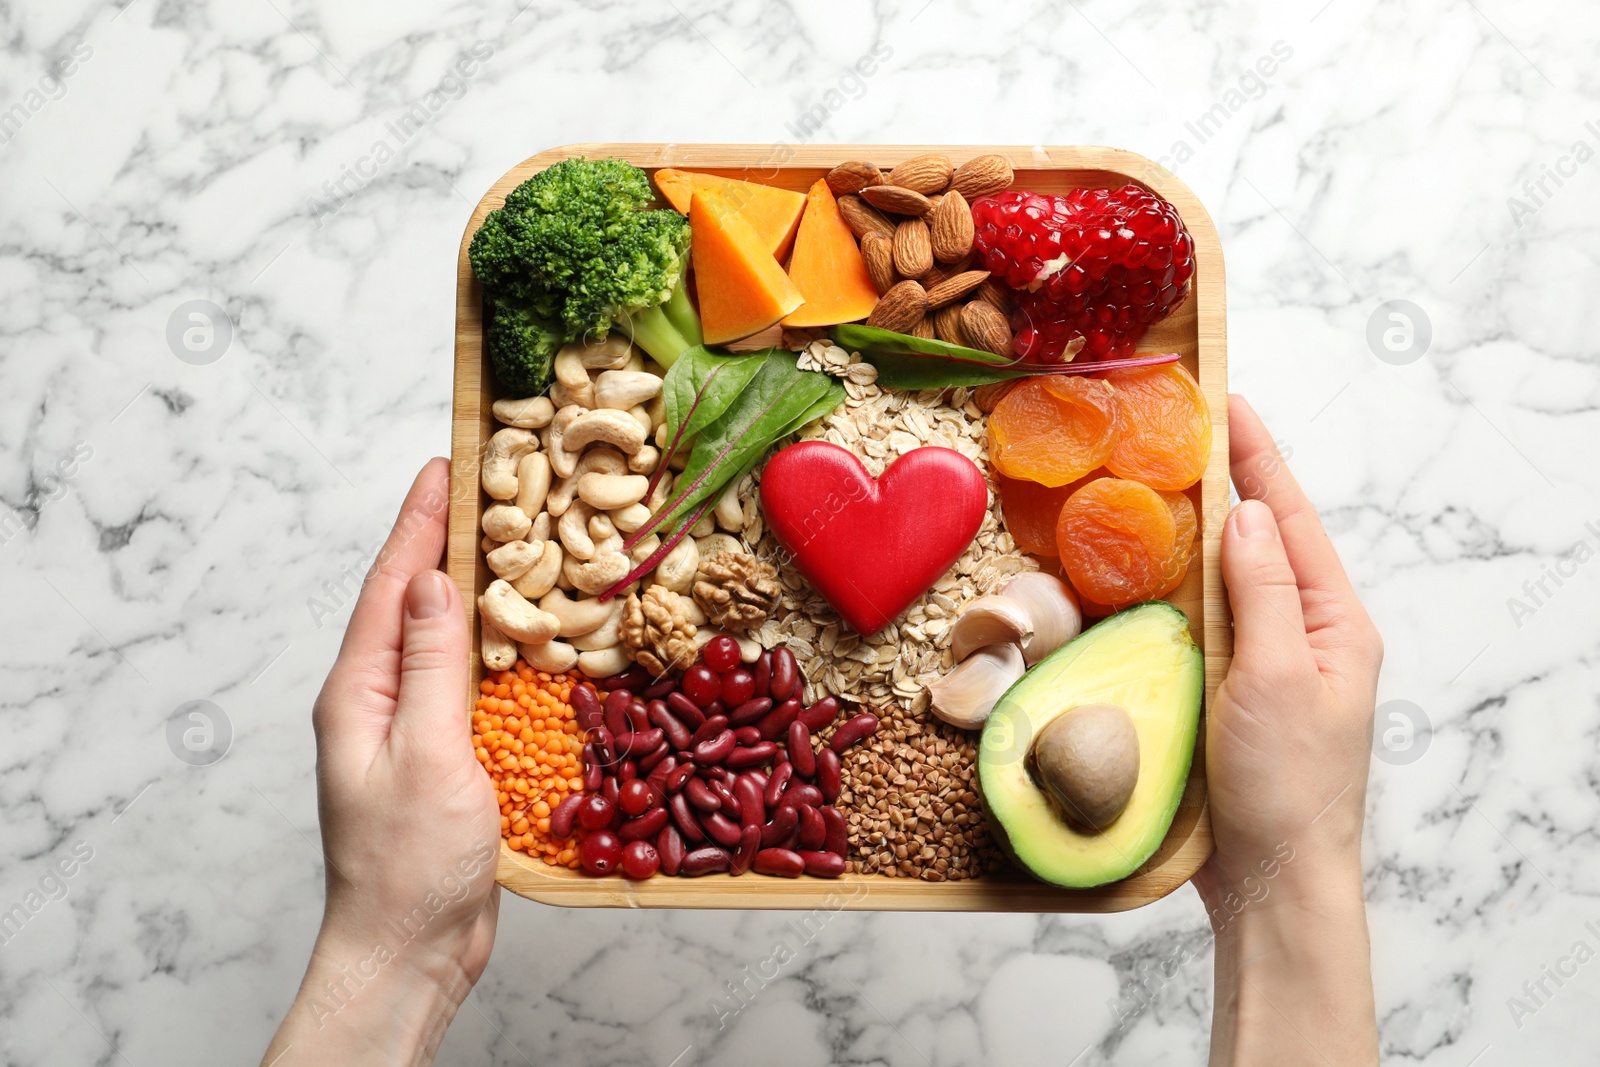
(742,288)
(827,266)
(775,213)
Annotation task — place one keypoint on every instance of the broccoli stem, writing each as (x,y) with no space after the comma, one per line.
(682,315)
(652,331)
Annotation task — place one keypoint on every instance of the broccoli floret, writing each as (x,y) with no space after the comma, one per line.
(575,251)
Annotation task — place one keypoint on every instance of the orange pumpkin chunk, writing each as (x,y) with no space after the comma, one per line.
(742,289)
(827,266)
(1053,429)
(1163,427)
(773,213)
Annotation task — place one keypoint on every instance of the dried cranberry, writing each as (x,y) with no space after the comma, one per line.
(635,797)
(600,852)
(701,684)
(721,654)
(738,686)
(640,860)
(595,812)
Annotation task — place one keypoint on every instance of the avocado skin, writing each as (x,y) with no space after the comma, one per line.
(1143,659)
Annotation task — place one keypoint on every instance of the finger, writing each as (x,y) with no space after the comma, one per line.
(431,710)
(1259,473)
(1268,628)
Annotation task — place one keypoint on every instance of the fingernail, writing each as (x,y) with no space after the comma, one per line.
(1252,518)
(427,597)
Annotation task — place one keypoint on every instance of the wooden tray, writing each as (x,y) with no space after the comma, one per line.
(1197,331)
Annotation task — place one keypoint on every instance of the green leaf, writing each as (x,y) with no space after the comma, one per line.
(701,385)
(906,362)
(823,406)
(864,339)
(896,371)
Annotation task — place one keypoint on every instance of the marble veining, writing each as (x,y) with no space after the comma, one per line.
(180,529)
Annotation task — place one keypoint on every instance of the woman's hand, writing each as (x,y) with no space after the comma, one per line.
(1288,743)
(410,828)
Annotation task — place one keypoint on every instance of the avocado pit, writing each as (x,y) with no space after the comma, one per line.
(1087,761)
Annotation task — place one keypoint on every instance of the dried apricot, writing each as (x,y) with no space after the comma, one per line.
(1053,429)
(1116,541)
(1183,517)
(1031,511)
(1163,427)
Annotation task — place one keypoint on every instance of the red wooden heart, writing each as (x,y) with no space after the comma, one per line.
(872,547)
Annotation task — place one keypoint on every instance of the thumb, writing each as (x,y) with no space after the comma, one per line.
(1267,621)
(431,708)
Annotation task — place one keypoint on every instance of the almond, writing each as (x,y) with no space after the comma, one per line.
(878,251)
(988,397)
(953,289)
(897,200)
(923,328)
(944,271)
(985,328)
(947,325)
(862,218)
(952,228)
(900,308)
(913,248)
(981,176)
(923,174)
(852,177)
(997,295)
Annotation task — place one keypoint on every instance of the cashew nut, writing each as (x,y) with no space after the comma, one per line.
(604,662)
(512,559)
(729,511)
(577,616)
(598,460)
(515,616)
(704,526)
(543,527)
(642,417)
(607,633)
(658,411)
(617,428)
(630,518)
(500,459)
(599,574)
(533,482)
(608,492)
(572,376)
(499,651)
(663,492)
(635,362)
(506,522)
(607,353)
(663,435)
(563,456)
(601,527)
(488,544)
(539,579)
(645,549)
(573,529)
(622,389)
(533,412)
(676,570)
(645,460)
(717,543)
(552,657)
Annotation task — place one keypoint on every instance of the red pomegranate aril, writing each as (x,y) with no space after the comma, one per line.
(721,654)
(820,714)
(600,852)
(708,729)
(566,812)
(837,837)
(813,831)
(708,859)
(750,711)
(669,844)
(738,686)
(779,863)
(701,684)
(645,826)
(640,860)
(701,795)
(830,774)
(749,845)
(784,821)
(595,814)
(823,864)
(800,751)
(721,829)
(785,675)
(686,710)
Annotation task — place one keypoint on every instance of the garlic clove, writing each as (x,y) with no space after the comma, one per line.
(966,695)
(1051,607)
(989,620)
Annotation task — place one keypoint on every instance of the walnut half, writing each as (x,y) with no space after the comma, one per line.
(737,591)
(658,631)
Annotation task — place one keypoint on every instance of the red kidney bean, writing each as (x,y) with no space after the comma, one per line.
(783,823)
(837,839)
(627,770)
(593,774)
(751,756)
(680,776)
(792,842)
(803,793)
(616,712)
(683,815)
(651,761)
(785,675)
(660,689)
(566,811)
(749,712)
(721,774)
(823,864)
(670,724)
(749,845)
(686,709)
(669,843)
(775,785)
(752,806)
(857,729)
(632,678)
(777,862)
(799,749)
(747,735)
(715,750)
(605,747)
(830,774)
(717,707)
(611,789)
(763,674)
(586,707)
(776,723)
(708,729)
(632,745)
(647,825)
(639,715)
(707,860)
(728,803)
(813,831)
(721,829)
(757,776)
(701,795)
(659,773)
(820,714)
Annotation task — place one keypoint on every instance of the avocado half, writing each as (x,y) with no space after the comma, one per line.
(1143,660)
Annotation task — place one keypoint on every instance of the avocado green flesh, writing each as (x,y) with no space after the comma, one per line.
(1143,660)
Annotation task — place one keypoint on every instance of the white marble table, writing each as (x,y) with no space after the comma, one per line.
(175,531)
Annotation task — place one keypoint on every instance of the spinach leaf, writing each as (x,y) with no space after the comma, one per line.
(700,386)
(858,338)
(905,362)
